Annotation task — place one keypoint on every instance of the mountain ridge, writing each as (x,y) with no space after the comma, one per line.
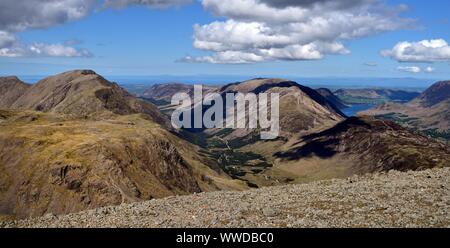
(331,97)
(430,111)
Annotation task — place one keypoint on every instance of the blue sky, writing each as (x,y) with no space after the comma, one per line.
(142,40)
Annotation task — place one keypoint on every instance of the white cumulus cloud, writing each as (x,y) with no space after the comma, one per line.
(21,15)
(323,3)
(10,46)
(429,69)
(226,57)
(265,30)
(423,51)
(411,69)
(149,3)
(416,69)
(6,39)
(17,49)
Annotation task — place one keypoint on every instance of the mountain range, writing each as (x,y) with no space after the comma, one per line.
(296,156)
(76,141)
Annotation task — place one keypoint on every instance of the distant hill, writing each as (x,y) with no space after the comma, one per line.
(161,94)
(374,96)
(429,112)
(331,97)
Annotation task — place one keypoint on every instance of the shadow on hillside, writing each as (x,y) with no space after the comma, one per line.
(322,149)
(322,144)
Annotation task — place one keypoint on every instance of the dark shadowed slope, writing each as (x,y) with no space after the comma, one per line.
(371,145)
(332,98)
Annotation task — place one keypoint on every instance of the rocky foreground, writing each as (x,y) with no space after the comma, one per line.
(395,199)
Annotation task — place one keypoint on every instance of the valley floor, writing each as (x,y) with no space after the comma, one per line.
(394,199)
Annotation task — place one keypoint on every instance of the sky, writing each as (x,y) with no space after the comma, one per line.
(288,38)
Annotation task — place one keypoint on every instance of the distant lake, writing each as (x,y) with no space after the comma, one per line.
(354,109)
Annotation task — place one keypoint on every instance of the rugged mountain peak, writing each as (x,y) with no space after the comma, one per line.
(261,85)
(11,88)
(10,81)
(83,93)
(9,78)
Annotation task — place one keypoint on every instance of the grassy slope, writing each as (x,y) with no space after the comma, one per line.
(51,163)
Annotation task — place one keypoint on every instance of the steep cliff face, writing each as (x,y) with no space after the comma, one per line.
(331,97)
